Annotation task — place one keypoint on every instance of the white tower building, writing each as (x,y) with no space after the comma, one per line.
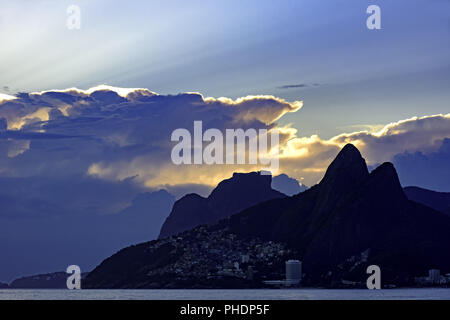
(293,272)
(434,275)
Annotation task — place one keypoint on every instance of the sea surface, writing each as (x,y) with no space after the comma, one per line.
(242,294)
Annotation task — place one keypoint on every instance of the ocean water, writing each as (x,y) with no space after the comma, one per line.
(252,294)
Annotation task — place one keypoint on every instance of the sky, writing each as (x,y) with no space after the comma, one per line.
(86,114)
(237,48)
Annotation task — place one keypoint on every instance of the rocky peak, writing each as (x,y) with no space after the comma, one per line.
(347,171)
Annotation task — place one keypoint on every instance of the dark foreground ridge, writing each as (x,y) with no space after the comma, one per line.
(350,220)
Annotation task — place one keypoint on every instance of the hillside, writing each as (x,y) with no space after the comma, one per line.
(351,219)
(232,195)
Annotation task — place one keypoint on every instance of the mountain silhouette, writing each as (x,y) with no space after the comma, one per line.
(349,213)
(54,280)
(231,196)
(287,185)
(439,201)
(350,220)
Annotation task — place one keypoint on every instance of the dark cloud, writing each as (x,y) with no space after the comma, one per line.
(292,86)
(20,135)
(427,170)
(300,85)
(47,224)
(3,125)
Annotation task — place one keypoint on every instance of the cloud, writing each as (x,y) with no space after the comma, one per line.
(64,196)
(308,157)
(298,86)
(6,97)
(431,171)
(113,133)
(415,134)
(291,86)
(43,235)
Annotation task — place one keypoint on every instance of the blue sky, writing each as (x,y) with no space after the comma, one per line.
(235,48)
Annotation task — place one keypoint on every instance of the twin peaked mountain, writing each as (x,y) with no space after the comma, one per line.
(351,219)
(353,215)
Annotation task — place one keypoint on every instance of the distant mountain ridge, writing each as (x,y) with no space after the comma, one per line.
(53,280)
(439,201)
(350,220)
(287,185)
(232,195)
